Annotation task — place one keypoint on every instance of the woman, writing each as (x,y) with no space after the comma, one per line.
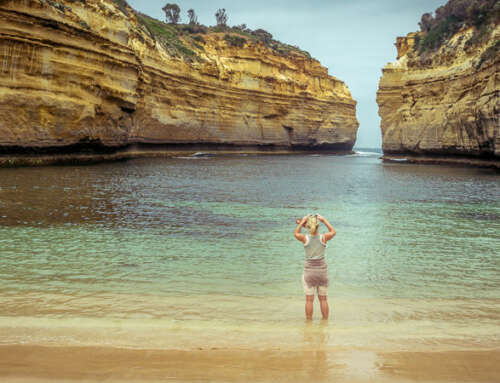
(315,276)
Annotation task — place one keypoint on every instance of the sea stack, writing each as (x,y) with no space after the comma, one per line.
(87,75)
(440,101)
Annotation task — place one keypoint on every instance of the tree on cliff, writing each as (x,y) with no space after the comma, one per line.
(221,17)
(456,13)
(425,23)
(193,19)
(241,27)
(172,13)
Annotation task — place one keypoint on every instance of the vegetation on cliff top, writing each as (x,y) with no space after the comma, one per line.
(454,16)
(186,40)
(169,35)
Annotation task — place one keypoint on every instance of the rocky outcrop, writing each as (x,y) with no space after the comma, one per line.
(87,73)
(443,105)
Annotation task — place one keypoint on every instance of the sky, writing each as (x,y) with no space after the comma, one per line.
(354,39)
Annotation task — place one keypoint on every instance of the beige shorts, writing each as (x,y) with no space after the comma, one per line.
(321,290)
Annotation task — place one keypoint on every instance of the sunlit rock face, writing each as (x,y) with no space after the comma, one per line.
(445,103)
(85,72)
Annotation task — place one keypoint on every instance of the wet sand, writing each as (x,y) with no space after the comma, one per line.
(24,363)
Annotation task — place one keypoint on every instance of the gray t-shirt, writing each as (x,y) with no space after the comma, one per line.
(315,249)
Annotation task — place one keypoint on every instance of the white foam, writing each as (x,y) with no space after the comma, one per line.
(366,154)
(202,154)
(398,159)
(191,158)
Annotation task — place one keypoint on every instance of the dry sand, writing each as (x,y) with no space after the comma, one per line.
(23,363)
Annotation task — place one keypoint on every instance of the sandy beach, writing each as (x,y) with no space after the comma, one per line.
(91,364)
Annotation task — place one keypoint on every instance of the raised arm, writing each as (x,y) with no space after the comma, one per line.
(331,231)
(300,237)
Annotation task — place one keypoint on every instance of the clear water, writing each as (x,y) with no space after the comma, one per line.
(199,252)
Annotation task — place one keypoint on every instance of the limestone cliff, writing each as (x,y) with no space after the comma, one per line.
(443,103)
(90,72)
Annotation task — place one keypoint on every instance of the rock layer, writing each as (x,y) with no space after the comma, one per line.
(87,74)
(442,105)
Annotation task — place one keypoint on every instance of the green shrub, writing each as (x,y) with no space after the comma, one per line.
(167,35)
(479,37)
(263,36)
(435,37)
(156,27)
(454,15)
(489,54)
(235,40)
(84,24)
(185,50)
(191,28)
(416,42)
(199,39)
(219,29)
(198,46)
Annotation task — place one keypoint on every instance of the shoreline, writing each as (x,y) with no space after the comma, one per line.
(32,158)
(442,160)
(22,363)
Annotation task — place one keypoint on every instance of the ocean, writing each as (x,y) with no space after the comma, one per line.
(198,253)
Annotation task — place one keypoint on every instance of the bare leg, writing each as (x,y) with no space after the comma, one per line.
(309,306)
(324,306)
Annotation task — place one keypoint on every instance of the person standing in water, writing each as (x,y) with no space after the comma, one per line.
(315,276)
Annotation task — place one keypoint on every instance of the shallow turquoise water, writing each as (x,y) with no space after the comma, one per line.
(201,250)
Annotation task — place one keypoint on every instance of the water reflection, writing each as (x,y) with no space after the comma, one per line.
(315,340)
(55,196)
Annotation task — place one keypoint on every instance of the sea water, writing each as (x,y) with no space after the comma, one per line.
(198,252)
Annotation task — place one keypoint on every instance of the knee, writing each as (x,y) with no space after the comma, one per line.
(322,298)
(309,298)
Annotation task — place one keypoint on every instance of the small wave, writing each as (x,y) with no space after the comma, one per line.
(397,159)
(366,154)
(197,156)
(191,158)
(202,154)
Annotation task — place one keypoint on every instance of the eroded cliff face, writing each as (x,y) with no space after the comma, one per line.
(87,72)
(443,104)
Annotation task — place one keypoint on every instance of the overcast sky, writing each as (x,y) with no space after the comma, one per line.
(354,39)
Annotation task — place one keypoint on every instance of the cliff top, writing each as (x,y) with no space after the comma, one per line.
(187,40)
(457,15)
(458,26)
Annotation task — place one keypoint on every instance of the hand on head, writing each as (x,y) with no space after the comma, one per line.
(302,220)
